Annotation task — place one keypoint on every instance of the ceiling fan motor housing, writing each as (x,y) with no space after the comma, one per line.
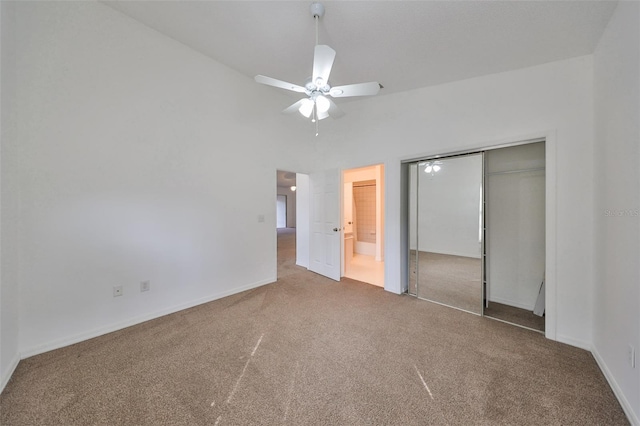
(317,10)
(313,87)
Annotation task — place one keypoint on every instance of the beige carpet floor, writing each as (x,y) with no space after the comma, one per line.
(310,351)
(452,280)
(456,281)
(515,315)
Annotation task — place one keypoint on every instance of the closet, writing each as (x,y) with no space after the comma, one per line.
(476,232)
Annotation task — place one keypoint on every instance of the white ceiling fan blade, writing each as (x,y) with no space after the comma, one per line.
(322,62)
(359,89)
(278,83)
(293,108)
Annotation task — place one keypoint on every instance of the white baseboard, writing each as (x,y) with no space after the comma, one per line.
(473,255)
(70,340)
(626,405)
(582,344)
(524,306)
(12,367)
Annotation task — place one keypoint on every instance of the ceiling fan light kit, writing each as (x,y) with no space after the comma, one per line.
(317,104)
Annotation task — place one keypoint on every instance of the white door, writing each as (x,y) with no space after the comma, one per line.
(324,239)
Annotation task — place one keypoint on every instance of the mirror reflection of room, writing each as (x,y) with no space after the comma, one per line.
(476,236)
(515,237)
(445,231)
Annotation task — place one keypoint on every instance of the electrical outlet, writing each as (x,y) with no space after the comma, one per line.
(631,356)
(145,286)
(117,290)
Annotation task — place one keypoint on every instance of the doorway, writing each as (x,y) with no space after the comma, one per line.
(363,224)
(286,221)
(286,199)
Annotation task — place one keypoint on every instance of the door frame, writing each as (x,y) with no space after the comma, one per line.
(380,176)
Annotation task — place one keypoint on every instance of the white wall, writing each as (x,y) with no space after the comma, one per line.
(281,211)
(553,100)
(127,141)
(9,201)
(617,181)
(291,204)
(449,207)
(302,224)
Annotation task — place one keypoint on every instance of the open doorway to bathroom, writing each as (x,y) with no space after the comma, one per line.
(363,223)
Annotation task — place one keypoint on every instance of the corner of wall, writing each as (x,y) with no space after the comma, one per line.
(624,402)
(6,375)
(10,201)
(616,230)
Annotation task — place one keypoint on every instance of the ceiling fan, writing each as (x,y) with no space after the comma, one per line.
(317,105)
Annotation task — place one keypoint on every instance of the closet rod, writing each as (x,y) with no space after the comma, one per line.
(506,172)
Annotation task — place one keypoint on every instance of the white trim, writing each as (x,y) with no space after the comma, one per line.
(582,344)
(511,303)
(624,402)
(482,146)
(551,217)
(12,368)
(452,253)
(70,340)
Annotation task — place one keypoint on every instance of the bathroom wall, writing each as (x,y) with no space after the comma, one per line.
(364,197)
(371,244)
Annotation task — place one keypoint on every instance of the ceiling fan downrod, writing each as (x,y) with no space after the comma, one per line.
(317,11)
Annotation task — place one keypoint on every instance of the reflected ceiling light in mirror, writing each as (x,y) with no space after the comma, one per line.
(431,167)
(293,188)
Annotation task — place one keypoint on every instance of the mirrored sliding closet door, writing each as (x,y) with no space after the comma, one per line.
(445,231)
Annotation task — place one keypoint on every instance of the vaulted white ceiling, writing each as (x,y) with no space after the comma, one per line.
(401,44)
